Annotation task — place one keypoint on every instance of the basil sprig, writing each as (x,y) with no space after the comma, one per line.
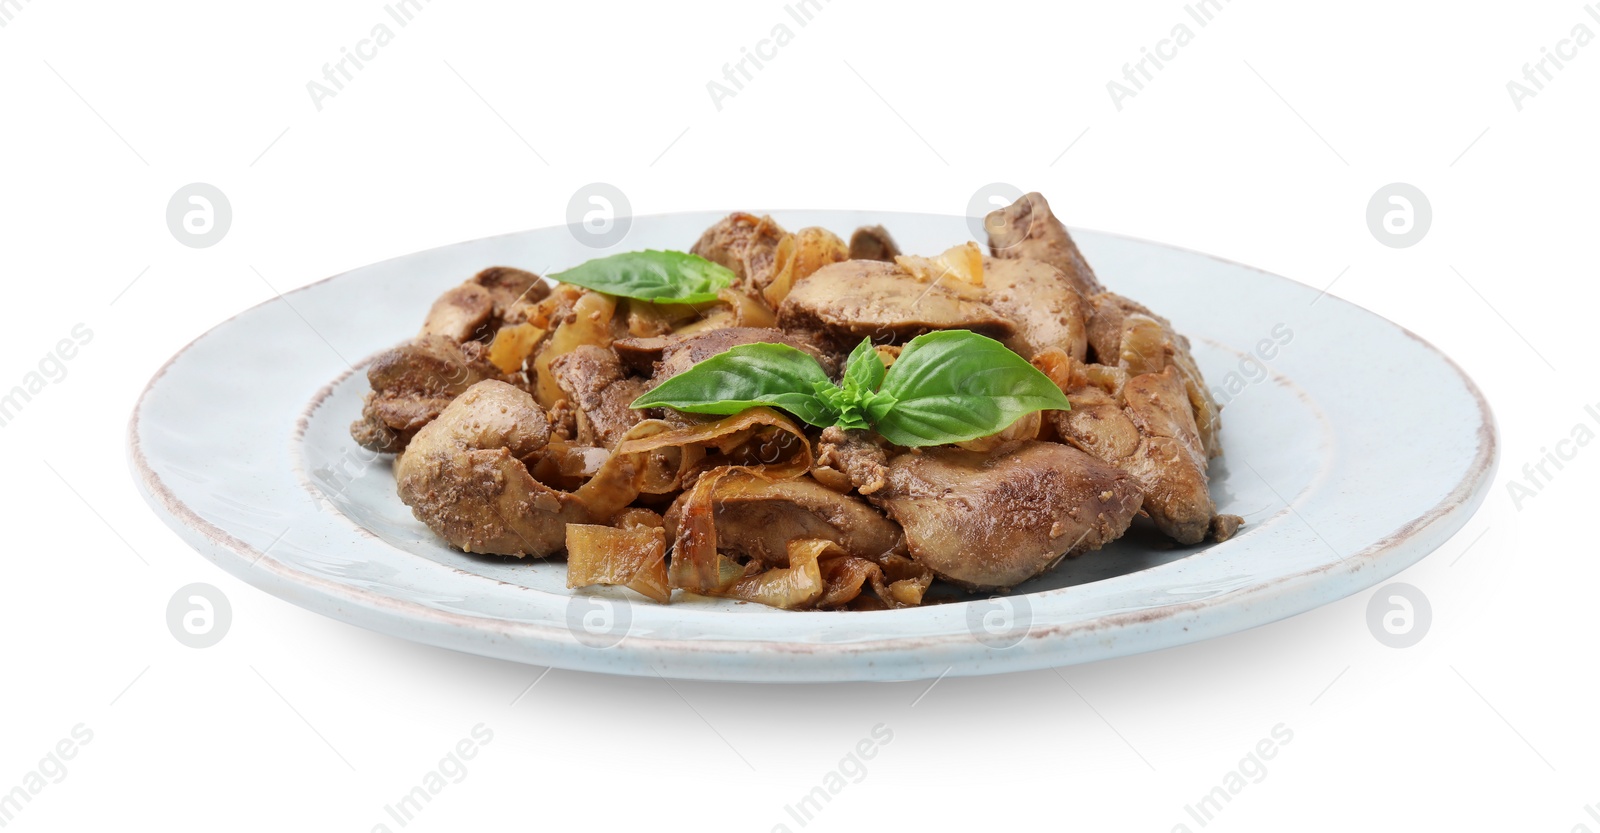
(947,386)
(650,275)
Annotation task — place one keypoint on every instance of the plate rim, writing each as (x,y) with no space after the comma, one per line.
(249,563)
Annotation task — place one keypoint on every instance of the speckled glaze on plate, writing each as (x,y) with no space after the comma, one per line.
(240,443)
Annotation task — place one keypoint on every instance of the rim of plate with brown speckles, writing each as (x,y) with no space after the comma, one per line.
(1351,445)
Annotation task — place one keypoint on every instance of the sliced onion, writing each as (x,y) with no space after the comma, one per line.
(846,577)
(1146,347)
(588,323)
(733,308)
(633,557)
(1056,364)
(747,311)
(821,575)
(963,262)
(696,565)
(895,581)
(725,435)
(905,581)
(799,255)
(513,344)
(795,587)
(621,478)
(635,517)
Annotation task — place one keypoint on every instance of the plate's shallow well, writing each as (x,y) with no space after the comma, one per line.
(241,444)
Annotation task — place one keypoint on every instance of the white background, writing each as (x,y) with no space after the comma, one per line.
(1261,142)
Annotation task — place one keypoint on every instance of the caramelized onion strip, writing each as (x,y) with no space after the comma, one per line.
(795,587)
(800,254)
(822,576)
(632,557)
(623,476)
(696,565)
(764,434)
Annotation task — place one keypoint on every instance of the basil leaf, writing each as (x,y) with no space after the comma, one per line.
(954,385)
(842,405)
(745,377)
(863,373)
(947,386)
(878,405)
(676,277)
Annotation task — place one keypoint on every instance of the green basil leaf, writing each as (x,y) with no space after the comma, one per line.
(878,405)
(676,277)
(954,385)
(863,373)
(844,406)
(745,377)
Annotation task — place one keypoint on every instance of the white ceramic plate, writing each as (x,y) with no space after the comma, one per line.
(1353,449)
